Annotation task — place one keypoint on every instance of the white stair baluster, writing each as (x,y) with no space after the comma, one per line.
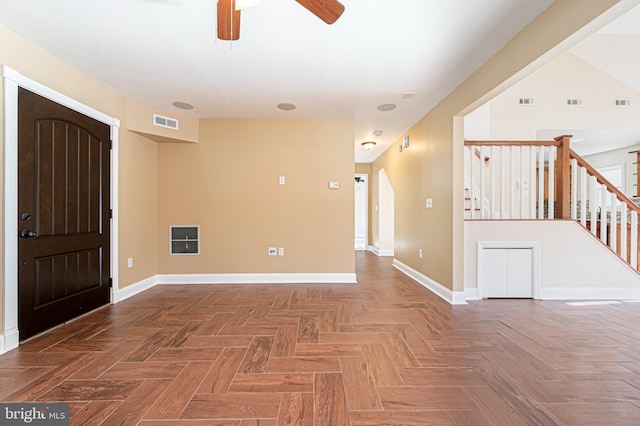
(521,214)
(492,178)
(613,224)
(512,180)
(583,197)
(532,182)
(503,173)
(574,189)
(634,239)
(472,187)
(603,213)
(482,183)
(593,203)
(541,182)
(552,179)
(623,232)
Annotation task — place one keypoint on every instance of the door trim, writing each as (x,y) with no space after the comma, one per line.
(535,267)
(12,79)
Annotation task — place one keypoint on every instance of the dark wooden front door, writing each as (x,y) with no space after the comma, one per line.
(63,214)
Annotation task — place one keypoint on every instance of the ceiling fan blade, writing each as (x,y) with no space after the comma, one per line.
(327,10)
(228,20)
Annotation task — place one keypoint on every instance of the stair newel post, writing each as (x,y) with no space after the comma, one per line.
(563,177)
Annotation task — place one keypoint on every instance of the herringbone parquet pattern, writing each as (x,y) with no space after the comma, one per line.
(383,352)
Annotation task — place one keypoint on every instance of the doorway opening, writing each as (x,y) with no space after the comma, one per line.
(361,211)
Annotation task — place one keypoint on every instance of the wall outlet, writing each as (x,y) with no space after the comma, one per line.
(130,262)
(281,180)
(420,253)
(429,203)
(281,251)
(273,251)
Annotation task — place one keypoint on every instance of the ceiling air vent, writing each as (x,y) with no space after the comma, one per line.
(622,102)
(573,102)
(166,122)
(525,101)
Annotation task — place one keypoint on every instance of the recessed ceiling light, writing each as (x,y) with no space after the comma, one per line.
(377,133)
(182,105)
(285,106)
(386,107)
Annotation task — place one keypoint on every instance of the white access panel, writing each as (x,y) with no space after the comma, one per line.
(494,279)
(507,272)
(520,273)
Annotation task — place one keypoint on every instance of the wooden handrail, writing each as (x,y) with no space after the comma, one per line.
(603,181)
(511,143)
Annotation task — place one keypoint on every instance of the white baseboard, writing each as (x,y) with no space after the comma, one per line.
(9,340)
(589,293)
(453,297)
(379,252)
(471,294)
(349,278)
(140,286)
(133,289)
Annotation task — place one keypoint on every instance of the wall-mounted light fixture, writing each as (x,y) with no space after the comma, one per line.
(369,145)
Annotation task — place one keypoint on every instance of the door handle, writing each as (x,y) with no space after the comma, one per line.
(28,234)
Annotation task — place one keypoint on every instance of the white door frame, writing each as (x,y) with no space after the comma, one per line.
(12,80)
(535,267)
(365,186)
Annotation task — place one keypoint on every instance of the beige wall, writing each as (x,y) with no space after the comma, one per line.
(228,184)
(432,166)
(137,189)
(139,119)
(138,209)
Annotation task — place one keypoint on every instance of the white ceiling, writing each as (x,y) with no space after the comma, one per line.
(615,49)
(160,51)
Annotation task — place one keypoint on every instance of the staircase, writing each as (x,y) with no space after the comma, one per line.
(546,180)
(470,204)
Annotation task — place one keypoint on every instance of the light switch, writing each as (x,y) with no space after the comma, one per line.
(429,203)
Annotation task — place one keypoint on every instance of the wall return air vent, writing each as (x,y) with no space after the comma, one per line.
(166,122)
(622,102)
(184,240)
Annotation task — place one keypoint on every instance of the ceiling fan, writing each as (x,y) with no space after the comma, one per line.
(229,14)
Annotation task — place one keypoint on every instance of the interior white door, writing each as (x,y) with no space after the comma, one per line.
(361,211)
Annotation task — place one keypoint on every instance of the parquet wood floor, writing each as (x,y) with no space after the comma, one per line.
(383,352)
